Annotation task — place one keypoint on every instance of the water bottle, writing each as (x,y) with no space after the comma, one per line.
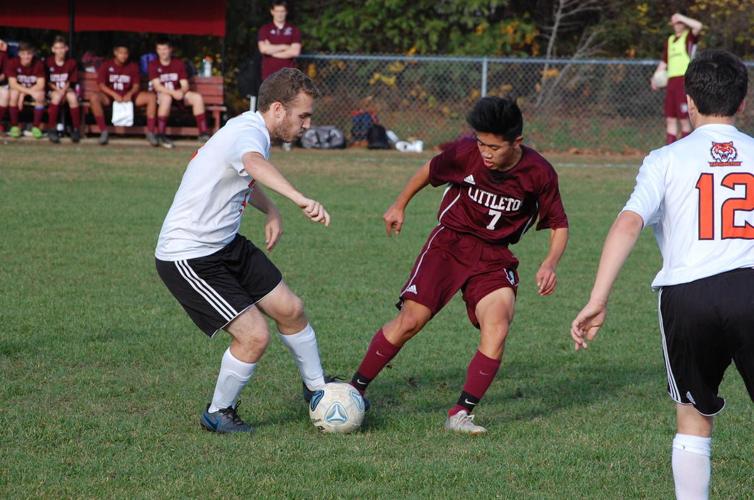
(207,67)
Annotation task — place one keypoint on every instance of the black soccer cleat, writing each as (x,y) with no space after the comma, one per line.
(52,134)
(75,135)
(309,393)
(224,421)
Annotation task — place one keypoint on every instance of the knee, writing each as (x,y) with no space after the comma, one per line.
(410,322)
(292,311)
(254,343)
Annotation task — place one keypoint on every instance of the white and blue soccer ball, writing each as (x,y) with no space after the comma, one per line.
(337,407)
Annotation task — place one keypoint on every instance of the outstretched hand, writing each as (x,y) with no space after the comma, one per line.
(315,211)
(393,218)
(587,323)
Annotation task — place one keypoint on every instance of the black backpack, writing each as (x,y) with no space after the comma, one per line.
(377,137)
(323,137)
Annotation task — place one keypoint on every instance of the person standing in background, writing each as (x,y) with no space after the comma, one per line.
(279,41)
(679,49)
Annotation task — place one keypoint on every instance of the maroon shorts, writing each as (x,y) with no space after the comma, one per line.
(675,99)
(452,261)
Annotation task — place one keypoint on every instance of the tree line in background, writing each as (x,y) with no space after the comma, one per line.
(519,28)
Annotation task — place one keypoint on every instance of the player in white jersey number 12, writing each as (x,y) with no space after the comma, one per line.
(698,196)
(220,278)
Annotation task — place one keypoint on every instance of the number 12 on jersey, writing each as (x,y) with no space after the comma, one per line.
(729,229)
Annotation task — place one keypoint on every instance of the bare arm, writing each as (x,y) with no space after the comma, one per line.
(266,174)
(695,25)
(273,227)
(159,87)
(267,48)
(290,51)
(131,93)
(14,85)
(109,92)
(395,213)
(618,245)
(546,277)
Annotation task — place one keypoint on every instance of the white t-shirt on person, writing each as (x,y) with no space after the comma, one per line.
(206,212)
(697,194)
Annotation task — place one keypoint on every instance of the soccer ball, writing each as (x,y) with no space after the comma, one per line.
(660,79)
(337,407)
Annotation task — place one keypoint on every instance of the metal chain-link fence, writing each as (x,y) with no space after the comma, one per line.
(597,105)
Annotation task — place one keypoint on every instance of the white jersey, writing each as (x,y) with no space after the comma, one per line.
(697,194)
(207,209)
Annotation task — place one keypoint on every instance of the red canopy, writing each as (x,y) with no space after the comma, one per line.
(187,17)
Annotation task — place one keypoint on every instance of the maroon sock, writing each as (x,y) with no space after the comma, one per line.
(76,117)
(100,123)
(379,353)
(162,122)
(13,116)
(201,123)
(39,111)
(2,112)
(670,138)
(683,134)
(52,115)
(479,376)
(150,124)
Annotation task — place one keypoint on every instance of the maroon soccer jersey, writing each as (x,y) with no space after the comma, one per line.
(3,67)
(25,75)
(170,74)
(286,35)
(497,207)
(60,74)
(120,78)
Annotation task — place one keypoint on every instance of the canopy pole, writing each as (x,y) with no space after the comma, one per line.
(71,27)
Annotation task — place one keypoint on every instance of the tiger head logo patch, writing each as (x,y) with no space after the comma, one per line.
(723,154)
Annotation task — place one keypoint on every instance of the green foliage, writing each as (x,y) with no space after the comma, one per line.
(423,26)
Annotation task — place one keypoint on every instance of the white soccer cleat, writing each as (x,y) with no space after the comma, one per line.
(464,423)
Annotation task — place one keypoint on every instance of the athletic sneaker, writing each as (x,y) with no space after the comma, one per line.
(165,141)
(203,138)
(224,421)
(15,132)
(75,135)
(464,423)
(52,134)
(36,133)
(152,139)
(104,137)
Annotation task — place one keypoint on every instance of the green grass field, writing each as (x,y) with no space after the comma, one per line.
(104,376)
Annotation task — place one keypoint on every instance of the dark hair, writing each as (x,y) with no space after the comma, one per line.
(163,40)
(283,86)
(279,3)
(26,47)
(60,39)
(120,43)
(496,115)
(717,82)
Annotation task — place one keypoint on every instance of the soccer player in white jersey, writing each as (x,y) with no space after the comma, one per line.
(697,194)
(220,278)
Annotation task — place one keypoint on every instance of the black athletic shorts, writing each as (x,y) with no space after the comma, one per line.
(215,289)
(704,325)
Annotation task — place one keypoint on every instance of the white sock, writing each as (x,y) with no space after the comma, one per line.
(303,347)
(233,376)
(691,466)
